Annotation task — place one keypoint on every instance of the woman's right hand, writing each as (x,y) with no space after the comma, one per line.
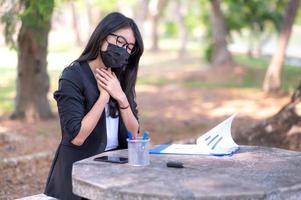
(103,93)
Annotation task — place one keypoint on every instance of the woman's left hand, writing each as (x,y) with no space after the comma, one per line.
(110,83)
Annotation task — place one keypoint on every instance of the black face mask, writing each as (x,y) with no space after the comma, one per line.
(115,57)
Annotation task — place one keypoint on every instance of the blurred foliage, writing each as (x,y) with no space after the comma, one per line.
(104,5)
(298,18)
(36,16)
(254,15)
(192,18)
(9,17)
(172,29)
(33,14)
(208,39)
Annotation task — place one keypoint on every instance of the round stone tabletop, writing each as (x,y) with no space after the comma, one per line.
(251,173)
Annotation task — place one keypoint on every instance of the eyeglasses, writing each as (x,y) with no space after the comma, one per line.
(121,42)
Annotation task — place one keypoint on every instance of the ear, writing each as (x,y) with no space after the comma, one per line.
(104,45)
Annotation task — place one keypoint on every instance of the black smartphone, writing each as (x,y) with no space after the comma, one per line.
(112,159)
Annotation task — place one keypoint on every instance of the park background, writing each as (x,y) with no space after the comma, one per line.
(204,60)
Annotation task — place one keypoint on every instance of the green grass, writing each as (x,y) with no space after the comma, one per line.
(6,97)
(253,78)
(8,87)
(246,83)
(157,81)
(155,74)
(291,76)
(260,63)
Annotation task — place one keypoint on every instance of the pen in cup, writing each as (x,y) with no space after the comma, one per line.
(130,135)
(138,149)
(145,135)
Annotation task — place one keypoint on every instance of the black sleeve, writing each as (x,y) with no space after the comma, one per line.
(70,102)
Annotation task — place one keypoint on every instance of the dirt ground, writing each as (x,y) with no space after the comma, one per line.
(170,112)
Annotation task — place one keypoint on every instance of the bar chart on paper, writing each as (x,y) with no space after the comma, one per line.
(217,141)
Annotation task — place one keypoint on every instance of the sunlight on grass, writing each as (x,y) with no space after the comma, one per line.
(153,81)
(291,74)
(261,63)
(291,77)
(7,89)
(157,69)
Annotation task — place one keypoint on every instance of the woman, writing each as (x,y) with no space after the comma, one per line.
(96,99)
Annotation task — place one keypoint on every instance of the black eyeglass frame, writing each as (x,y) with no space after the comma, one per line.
(123,43)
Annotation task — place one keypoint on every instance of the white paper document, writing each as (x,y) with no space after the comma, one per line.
(217,141)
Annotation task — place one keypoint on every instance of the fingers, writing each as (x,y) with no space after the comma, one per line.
(110,72)
(104,86)
(107,73)
(114,75)
(107,80)
(102,79)
(102,74)
(102,83)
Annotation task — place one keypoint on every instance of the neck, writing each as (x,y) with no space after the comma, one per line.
(96,63)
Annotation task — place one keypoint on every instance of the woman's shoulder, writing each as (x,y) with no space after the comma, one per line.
(70,81)
(72,72)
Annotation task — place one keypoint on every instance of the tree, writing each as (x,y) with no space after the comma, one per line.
(281,130)
(259,18)
(88,5)
(141,12)
(175,24)
(75,21)
(221,54)
(32,78)
(156,8)
(272,81)
(182,26)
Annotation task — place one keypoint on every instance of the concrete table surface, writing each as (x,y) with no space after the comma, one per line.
(252,173)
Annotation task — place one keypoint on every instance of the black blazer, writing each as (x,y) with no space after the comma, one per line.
(75,96)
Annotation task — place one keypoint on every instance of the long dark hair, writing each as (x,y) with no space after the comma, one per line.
(110,23)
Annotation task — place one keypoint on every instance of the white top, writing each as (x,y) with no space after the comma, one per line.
(112,130)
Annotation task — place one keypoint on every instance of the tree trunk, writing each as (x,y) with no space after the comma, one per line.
(90,16)
(251,44)
(156,9)
(154,21)
(32,79)
(183,29)
(221,54)
(141,13)
(75,20)
(281,130)
(272,81)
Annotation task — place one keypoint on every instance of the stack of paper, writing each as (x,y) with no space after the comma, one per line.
(217,141)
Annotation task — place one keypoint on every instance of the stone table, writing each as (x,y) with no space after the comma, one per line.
(252,173)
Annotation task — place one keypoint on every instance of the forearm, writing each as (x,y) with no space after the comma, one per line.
(108,80)
(128,117)
(89,122)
